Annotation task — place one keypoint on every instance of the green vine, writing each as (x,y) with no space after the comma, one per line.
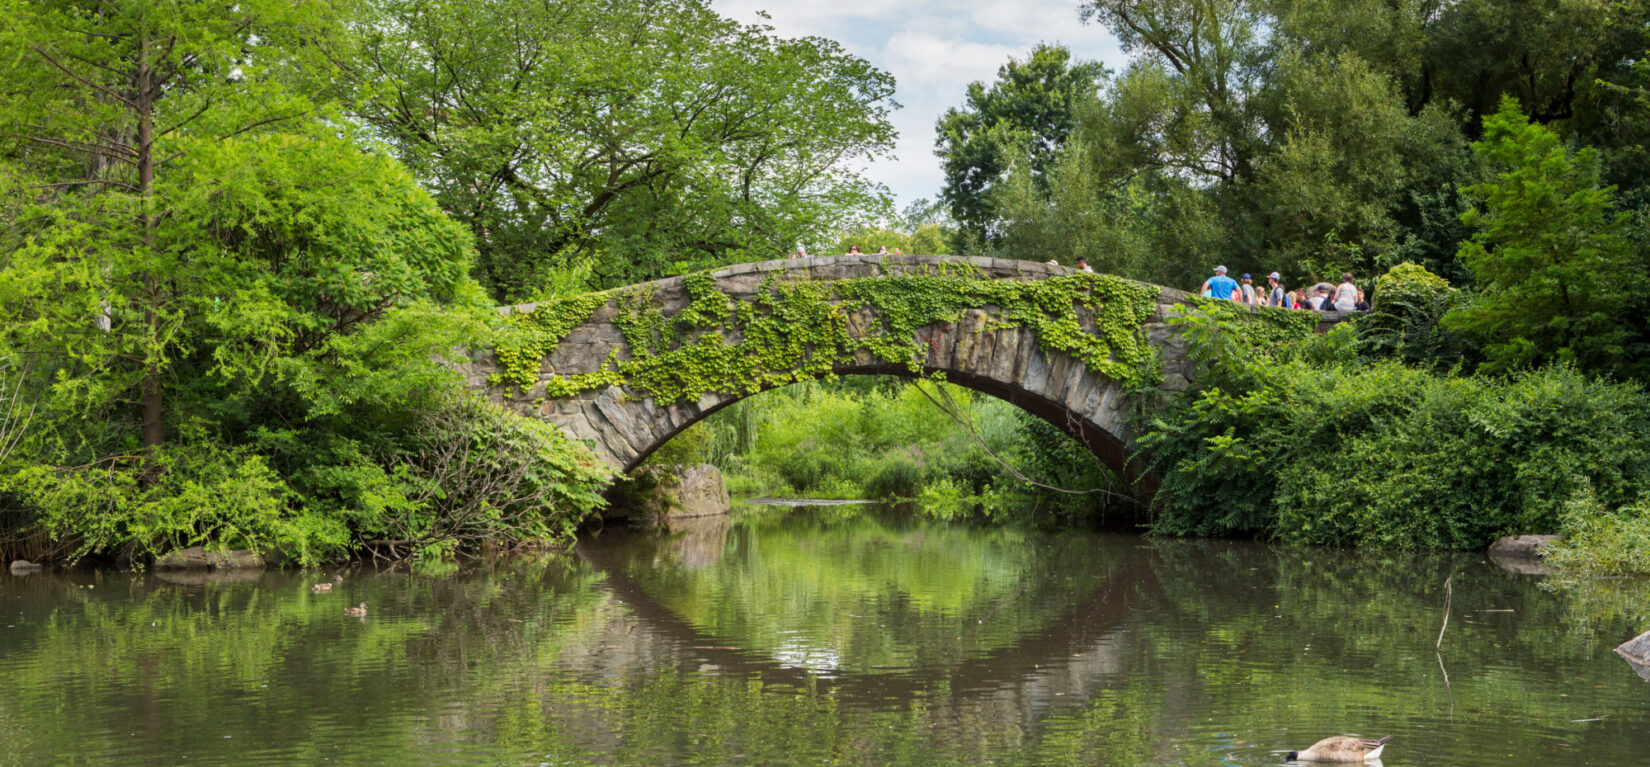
(1262,327)
(795,331)
(536,334)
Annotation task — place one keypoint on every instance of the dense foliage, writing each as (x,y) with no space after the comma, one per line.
(1024,117)
(641,138)
(955,454)
(1341,452)
(227,313)
(1555,265)
(1309,137)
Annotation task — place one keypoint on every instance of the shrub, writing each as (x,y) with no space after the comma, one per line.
(477,473)
(1600,541)
(1390,456)
(225,498)
(897,474)
(1404,319)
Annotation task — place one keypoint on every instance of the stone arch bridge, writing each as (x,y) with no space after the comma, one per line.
(627,369)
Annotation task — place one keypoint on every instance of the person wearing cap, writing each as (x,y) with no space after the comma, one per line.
(1322,302)
(1221,286)
(1276,296)
(1248,289)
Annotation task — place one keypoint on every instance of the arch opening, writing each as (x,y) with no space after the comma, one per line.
(1112,473)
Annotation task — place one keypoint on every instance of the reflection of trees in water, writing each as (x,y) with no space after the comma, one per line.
(1345,640)
(557,661)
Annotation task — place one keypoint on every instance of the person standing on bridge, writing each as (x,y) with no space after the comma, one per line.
(1247,290)
(1346,294)
(1083,266)
(1276,296)
(1221,286)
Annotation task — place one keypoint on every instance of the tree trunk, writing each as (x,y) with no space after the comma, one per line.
(154,431)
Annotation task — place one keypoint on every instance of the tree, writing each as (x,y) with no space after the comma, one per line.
(645,138)
(1556,272)
(1025,115)
(312,287)
(104,103)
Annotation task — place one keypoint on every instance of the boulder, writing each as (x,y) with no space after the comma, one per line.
(656,495)
(24,567)
(198,558)
(1637,653)
(1522,546)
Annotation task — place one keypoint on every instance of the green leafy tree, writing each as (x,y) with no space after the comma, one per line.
(1556,271)
(643,138)
(1026,115)
(104,104)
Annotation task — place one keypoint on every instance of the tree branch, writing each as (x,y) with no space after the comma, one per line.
(103,89)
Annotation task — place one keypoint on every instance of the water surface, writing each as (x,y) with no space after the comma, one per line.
(830,636)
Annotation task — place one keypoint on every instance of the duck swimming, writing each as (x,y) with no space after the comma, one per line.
(1341,749)
(356,612)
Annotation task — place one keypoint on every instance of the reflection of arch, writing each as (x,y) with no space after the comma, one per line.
(1089,622)
(1006,362)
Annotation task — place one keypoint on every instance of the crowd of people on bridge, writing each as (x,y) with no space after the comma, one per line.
(1322,297)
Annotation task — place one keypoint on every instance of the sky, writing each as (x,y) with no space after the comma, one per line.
(934,49)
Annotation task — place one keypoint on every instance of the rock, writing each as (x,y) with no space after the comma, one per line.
(198,558)
(656,495)
(1637,653)
(1522,546)
(24,567)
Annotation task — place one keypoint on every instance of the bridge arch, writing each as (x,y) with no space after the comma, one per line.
(626,370)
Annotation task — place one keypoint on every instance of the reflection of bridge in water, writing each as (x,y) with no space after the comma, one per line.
(1067,658)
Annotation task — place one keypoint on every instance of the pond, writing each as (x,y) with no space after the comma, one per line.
(829,636)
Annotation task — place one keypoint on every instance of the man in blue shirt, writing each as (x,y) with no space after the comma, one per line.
(1220,286)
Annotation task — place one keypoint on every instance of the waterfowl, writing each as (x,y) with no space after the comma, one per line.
(356,612)
(320,587)
(1341,749)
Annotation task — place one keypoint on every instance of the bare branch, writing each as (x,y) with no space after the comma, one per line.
(127,153)
(100,88)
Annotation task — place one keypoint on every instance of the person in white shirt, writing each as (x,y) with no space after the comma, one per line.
(1346,294)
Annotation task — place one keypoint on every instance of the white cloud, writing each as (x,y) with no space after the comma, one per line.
(933,48)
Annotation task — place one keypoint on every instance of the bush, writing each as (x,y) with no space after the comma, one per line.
(477,473)
(226,498)
(1600,541)
(898,474)
(1404,320)
(1390,456)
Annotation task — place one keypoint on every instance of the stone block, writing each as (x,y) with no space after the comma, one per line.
(1079,389)
(1037,371)
(741,287)
(1005,355)
(1059,368)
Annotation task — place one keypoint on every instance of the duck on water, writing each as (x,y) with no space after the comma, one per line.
(1341,749)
